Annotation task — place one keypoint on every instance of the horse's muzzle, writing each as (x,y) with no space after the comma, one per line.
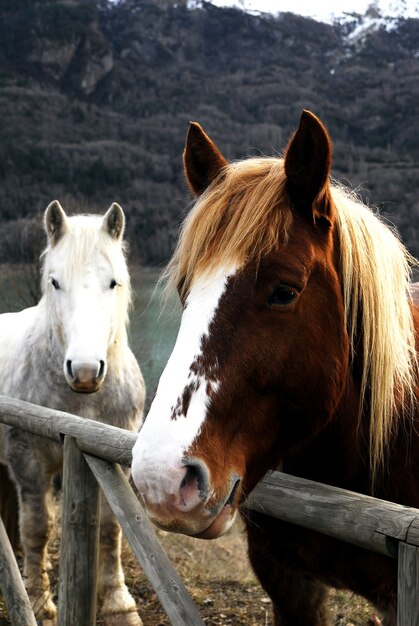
(85,377)
(184,501)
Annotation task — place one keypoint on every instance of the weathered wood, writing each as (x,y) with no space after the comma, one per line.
(140,533)
(79,540)
(9,506)
(11,583)
(408,586)
(108,442)
(355,518)
(413,533)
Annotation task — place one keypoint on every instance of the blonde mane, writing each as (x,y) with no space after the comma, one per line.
(85,244)
(245,214)
(376,274)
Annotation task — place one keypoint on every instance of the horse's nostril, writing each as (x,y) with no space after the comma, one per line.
(195,481)
(191,477)
(101,369)
(69,369)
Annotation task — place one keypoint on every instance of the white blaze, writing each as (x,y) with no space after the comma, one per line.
(162,440)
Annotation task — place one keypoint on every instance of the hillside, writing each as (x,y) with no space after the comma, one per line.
(95,100)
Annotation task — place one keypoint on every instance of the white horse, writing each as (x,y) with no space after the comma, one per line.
(74,340)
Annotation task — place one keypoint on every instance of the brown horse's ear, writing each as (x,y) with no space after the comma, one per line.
(202,159)
(55,222)
(307,167)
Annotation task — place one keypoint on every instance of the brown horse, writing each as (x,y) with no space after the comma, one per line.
(296,350)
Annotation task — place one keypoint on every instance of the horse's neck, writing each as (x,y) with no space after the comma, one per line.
(31,331)
(25,356)
(340,455)
(44,336)
(329,459)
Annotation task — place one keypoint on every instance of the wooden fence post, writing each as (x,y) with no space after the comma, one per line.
(408,586)
(12,587)
(139,531)
(79,540)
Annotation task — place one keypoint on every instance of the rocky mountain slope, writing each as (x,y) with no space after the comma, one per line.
(95,100)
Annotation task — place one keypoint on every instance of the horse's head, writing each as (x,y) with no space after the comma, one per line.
(246,380)
(86,291)
(261,360)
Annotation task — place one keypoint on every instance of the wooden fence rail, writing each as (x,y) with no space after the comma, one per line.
(364,521)
(11,584)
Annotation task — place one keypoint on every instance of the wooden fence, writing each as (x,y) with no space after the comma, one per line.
(93,452)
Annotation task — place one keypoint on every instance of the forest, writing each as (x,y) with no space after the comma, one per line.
(96,97)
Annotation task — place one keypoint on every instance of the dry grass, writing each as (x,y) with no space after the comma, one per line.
(219,578)
(221,582)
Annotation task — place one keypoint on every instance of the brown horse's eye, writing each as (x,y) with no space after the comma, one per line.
(282,295)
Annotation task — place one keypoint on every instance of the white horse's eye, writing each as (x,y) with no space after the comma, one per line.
(113,283)
(55,283)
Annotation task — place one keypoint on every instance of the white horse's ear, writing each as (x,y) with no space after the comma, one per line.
(114,221)
(55,222)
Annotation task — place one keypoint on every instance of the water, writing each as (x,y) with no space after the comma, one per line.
(153,328)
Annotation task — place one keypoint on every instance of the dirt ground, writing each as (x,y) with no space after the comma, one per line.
(220,580)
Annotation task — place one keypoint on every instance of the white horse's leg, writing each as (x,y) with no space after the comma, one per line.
(36,516)
(36,521)
(118,607)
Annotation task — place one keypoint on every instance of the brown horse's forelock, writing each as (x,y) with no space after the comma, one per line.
(242,215)
(245,214)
